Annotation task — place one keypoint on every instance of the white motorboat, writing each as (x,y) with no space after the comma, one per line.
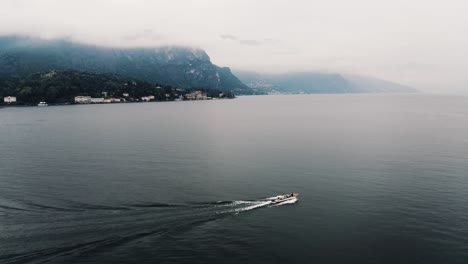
(284,197)
(42,104)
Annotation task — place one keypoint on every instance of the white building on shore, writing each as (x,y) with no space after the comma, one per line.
(148,98)
(91,100)
(196,95)
(9,99)
(98,100)
(82,99)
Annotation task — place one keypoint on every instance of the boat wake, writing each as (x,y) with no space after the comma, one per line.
(243,206)
(72,227)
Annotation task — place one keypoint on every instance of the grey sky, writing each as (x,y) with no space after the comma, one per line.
(423,43)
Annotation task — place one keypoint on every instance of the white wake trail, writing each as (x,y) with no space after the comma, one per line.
(255,205)
(242,206)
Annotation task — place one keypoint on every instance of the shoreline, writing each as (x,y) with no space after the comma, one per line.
(74,104)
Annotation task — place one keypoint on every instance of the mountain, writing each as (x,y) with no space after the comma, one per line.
(176,66)
(313,82)
(374,85)
(62,86)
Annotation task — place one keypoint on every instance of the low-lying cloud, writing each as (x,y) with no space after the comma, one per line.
(248,42)
(421,43)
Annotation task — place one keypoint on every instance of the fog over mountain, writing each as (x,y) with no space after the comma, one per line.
(178,66)
(420,43)
(317,82)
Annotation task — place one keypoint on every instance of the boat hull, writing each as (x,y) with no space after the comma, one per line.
(284,198)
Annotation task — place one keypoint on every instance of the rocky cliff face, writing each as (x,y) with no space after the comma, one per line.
(177,66)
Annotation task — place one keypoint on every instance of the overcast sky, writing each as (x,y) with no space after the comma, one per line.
(422,43)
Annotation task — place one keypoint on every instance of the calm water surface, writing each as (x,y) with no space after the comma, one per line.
(383,179)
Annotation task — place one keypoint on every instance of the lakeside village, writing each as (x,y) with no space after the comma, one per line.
(177,94)
(193,95)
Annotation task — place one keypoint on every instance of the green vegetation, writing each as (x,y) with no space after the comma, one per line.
(177,66)
(60,87)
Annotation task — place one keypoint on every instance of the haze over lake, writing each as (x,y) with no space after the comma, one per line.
(382,179)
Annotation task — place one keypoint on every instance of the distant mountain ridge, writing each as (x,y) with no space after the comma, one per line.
(314,82)
(366,84)
(176,66)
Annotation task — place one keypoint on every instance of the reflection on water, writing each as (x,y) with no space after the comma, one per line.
(382,179)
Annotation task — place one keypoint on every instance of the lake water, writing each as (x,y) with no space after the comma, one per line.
(382,179)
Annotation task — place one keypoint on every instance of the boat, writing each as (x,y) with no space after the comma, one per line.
(284,197)
(42,104)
